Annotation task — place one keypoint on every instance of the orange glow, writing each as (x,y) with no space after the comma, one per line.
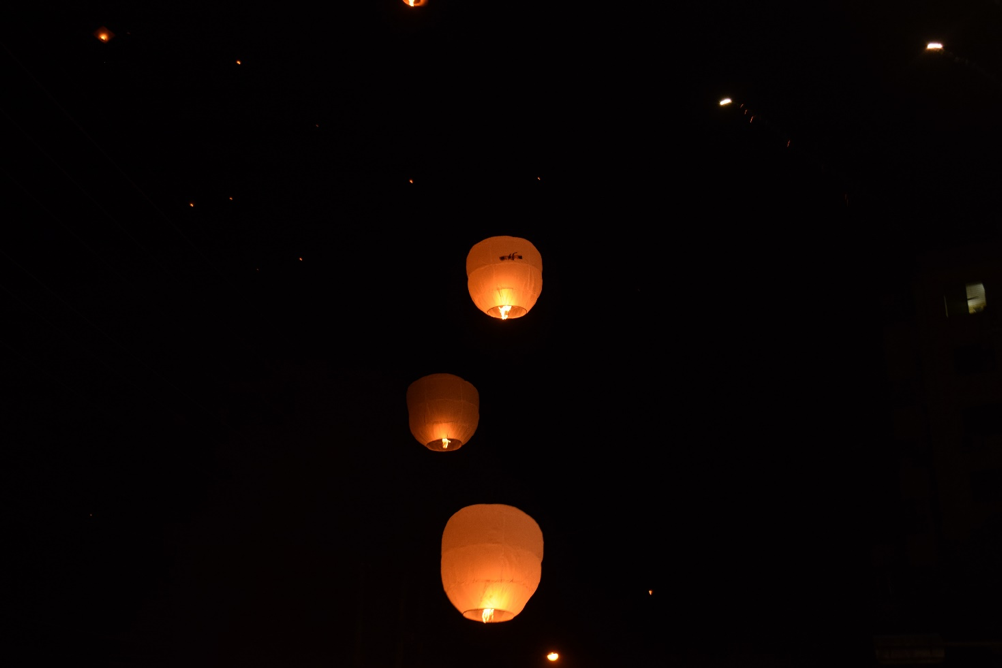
(504,276)
(651,592)
(443,412)
(933,46)
(300,259)
(103,34)
(491,561)
(191,204)
(552,656)
(415,3)
(726,101)
(410,180)
(238,62)
(231,199)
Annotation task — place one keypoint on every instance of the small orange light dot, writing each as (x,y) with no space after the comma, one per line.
(651,592)
(538,179)
(300,259)
(238,62)
(191,204)
(552,656)
(231,199)
(410,180)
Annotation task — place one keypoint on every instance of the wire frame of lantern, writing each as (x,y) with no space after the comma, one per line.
(492,558)
(504,276)
(443,411)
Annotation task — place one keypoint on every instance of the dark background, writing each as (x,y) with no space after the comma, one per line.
(219,279)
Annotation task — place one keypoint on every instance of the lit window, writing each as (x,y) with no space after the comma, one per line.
(964,299)
(975,297)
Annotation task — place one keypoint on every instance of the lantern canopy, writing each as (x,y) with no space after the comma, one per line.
(491,561)
(444,411)
(505,276)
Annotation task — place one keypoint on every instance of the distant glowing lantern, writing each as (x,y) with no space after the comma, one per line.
(104,34)
(552,656)
(444,411)
(415,3)
(505,276)
(492,558)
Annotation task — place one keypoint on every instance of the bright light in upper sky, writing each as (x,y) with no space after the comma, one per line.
(552,656)
(726,101)
(934,46)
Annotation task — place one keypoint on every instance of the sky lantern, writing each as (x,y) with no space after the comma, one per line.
(492,558)
(505,276)
(444,411)
(104,34)
(415,3)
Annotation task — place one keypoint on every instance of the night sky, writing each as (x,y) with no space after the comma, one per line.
(234,235)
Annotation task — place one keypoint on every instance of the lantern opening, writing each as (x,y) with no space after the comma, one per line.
(488,615)
(507,312)
(444,444)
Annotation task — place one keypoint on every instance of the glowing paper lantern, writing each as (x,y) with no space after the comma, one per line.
(505,276)
(444,411)
(492,558)
(104,34)
(415,3)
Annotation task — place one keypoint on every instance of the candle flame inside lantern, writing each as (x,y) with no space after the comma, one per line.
(488,615)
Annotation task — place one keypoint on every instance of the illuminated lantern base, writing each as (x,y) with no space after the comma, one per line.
(444,444)
(488,615)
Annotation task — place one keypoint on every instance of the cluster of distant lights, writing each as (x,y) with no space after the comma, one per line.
(105,35)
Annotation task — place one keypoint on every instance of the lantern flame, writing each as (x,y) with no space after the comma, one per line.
(934,46)
(552,656)
(488,615)
(504,311)
(445,443)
